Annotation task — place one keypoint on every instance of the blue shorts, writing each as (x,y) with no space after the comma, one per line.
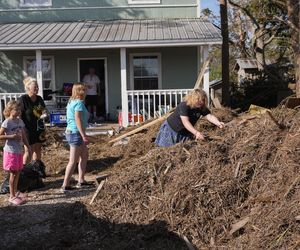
(74,139)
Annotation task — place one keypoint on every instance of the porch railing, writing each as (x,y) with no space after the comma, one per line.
(4,99)
(147,104)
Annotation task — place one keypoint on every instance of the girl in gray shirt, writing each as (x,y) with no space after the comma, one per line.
(12,130)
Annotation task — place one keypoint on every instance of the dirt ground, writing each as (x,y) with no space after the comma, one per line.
(238,189)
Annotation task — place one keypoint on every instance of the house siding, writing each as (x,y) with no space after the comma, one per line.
(178,66)
(63,10)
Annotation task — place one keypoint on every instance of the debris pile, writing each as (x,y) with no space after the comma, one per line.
(237,189)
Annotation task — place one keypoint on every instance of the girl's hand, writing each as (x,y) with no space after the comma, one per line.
(199,136)
(221,125)
(85,140)
(16,137)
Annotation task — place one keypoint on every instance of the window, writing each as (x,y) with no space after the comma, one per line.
(145,72)
(47,69)
(35,3)
(143,1)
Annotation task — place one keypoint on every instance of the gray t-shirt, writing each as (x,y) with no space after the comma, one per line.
(13,127)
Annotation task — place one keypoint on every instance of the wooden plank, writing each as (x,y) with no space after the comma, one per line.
(97,191)
(216,103)
(201,74)
(142,127)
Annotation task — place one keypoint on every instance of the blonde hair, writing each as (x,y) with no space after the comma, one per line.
(28,81)
(194,96)
(78,91)
(9,107)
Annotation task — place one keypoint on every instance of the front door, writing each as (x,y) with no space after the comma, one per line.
(99,65)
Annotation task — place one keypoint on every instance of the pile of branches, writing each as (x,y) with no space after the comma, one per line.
(237,189)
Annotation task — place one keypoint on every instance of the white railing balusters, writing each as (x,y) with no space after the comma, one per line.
(144,116)
(149,114)
(144,103)
(138,108)
(4,99)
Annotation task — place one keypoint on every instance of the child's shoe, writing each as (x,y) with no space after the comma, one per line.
(21,195)
(17,201)
(66,189)
(84,184)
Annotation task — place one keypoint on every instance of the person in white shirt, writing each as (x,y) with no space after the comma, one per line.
(92,82)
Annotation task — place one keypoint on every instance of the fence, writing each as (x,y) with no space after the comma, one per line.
(4,99)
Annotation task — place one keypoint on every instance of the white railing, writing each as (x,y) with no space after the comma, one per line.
(4,99)
(147,104)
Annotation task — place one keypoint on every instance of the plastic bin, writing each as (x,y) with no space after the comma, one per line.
(58,117)
(131,118)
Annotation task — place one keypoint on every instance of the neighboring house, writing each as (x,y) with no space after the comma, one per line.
(146,52)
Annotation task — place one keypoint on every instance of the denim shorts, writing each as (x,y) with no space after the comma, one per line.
(74,139)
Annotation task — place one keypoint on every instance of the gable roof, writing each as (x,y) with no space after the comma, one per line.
(249,63)
(108,34)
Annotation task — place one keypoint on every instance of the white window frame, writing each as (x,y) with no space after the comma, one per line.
(23,4)
(144,1)
(53,85)
(131,56)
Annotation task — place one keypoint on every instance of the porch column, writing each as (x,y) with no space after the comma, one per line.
(39,71)
(124,96)
(206,74)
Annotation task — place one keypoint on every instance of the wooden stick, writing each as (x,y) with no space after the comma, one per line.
(188,243)
(292,186)
(97,191)
(279,125)
(142,127)
(237,226)
(198,84)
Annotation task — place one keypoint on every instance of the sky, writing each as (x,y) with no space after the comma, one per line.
(212,5)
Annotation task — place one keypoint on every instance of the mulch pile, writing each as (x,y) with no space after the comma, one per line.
(237,189)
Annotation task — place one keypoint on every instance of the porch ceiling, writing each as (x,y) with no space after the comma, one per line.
(108,34)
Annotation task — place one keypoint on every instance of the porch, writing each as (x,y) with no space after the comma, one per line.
(177,47)
(142,105)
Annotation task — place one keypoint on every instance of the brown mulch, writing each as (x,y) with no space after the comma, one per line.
(200,189)
(192,193)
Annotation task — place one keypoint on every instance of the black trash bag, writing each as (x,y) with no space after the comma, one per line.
(30,178)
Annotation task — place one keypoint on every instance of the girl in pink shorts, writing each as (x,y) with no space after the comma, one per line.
(12,130)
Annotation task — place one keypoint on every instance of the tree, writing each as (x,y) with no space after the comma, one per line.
(225,53)
(293,17)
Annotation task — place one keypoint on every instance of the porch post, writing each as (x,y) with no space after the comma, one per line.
(124,96)
(206,74)
(39,71)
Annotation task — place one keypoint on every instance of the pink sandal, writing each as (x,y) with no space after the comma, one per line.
(16,201)
(21,195)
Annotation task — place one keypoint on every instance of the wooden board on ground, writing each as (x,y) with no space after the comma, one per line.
(97,191)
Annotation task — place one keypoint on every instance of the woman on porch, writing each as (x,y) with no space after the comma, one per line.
(179,127)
